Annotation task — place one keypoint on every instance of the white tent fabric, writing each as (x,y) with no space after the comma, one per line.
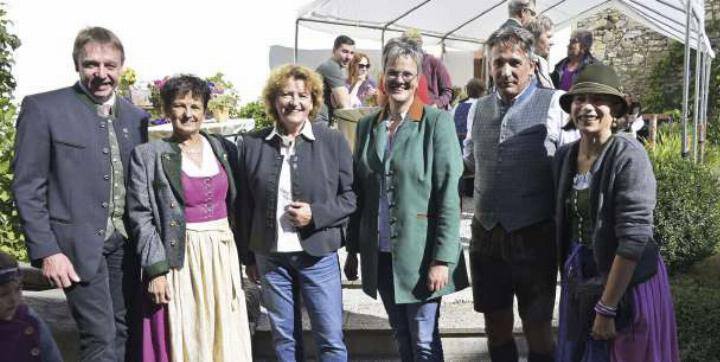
(466,23)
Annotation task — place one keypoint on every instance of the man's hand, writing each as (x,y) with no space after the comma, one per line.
(437,276)
(299,213)
(351,266)
(58,269)
(251,271)
(159,290)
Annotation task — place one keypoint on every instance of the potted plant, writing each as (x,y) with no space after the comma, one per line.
(223,97)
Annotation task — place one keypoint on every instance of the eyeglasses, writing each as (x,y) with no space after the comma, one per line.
(364,66)
(395,75)
(531,11)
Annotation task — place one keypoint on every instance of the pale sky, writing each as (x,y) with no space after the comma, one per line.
(161,37)
(164,37)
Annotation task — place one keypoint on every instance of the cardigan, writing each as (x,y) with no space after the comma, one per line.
(622,199)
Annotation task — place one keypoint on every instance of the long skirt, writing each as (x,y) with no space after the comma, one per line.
(652,335)
(206,319)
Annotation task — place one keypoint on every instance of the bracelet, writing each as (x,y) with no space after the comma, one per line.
(604,310)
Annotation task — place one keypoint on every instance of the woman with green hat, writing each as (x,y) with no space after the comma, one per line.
(615,303)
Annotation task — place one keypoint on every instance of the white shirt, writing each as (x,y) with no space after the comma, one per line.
(556,119)
(209,166)
(288,240)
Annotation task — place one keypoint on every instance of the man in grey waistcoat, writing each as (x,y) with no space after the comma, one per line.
(71,159)
(516,132)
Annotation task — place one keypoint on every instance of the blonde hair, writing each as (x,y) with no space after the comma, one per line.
(352,68)
(279,77)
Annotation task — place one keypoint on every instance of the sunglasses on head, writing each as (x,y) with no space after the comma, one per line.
(364,66)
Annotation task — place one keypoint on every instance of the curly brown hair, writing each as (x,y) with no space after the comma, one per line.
(278,79)
(352,68)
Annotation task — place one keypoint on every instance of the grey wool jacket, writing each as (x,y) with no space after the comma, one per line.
(156,204)
(622,190)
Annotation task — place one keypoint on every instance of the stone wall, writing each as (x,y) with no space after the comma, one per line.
(633,49)
(628,46)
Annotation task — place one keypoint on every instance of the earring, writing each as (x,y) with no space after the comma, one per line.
(614,123)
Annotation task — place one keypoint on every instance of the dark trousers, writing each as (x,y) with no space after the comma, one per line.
(102,306)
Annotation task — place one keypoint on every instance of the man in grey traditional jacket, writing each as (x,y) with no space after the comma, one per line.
(72,150)
(516,132)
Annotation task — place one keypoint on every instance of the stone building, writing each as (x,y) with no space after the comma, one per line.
(633,49)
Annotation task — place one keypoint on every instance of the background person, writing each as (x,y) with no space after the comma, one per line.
(464,112)
(334,76)
(408,165)
(439,84)
(541,28)
(362,89)
(616,303)
(520,13)
(578,57)
(296,192)
(182,205)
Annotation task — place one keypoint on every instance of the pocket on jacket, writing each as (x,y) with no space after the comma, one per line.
(60,220)
(69,143)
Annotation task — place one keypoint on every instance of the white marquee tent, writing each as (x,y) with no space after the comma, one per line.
(465,24)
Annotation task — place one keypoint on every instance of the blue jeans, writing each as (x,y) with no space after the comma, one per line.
(318,280)
(415,325)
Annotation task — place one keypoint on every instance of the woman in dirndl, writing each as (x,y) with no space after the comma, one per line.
(182,202)
(615,303)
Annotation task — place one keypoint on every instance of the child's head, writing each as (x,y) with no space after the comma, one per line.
(10,286)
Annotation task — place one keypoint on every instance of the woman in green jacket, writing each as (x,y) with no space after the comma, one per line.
(407,168)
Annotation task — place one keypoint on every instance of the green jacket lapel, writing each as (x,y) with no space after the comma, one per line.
(172,166)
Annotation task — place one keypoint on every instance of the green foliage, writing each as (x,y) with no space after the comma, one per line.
(11,240)
(697,302)
(687,215)
(10,236)
(256,111)
(664,91)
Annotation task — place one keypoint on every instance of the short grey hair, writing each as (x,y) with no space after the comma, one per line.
(515,7)
(512,37)
(539,25)
(398,47)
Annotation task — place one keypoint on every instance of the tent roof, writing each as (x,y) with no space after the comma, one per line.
(467,23)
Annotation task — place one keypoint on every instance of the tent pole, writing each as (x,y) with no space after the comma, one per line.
(704,112)
(696,101)
(478,16)
(686,81)
(393,21)
(295,49)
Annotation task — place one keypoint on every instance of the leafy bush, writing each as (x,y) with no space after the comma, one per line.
(10,237)
(687,215)
(256,111)
(697,302)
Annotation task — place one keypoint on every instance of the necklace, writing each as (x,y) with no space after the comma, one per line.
(192,150)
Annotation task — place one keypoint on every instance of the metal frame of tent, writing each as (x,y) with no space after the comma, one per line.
(668,26)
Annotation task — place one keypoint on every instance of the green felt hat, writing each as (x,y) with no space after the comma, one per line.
(596,78)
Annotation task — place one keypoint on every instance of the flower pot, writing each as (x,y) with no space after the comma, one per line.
(221,114)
